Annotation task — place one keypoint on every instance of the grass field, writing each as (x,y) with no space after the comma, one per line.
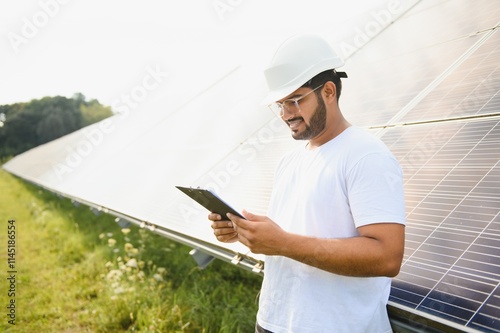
(78,272)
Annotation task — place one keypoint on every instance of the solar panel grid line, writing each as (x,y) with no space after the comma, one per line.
(487,206)
(418,230)
(484,328)
(467,294)
(431,269)
(451,267)
(453,154)
(429,253)
(484,259)
(410,246)
(458,111)
(453,308)
(463,224)
(415,289)
(458,298)
(437,151)
(410,293)
(447,315)
(474,271)
(430,142)
(458,119)
(486,86)
(475,286)
(410,249)
(436,206)
(419,211)
(402,297)
(456,219)
(489,241)
(414,237)
(447,189)
(434,263)
(411,241)
(488,259)
(471,266)
(487,310)
(422,167)
(429,218)
(434,214)
(471,244)
(431,259)
(453,227)
(492,98)
(445,238)
(422,220)
(490,308)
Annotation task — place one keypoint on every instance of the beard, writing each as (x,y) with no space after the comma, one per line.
(316,125)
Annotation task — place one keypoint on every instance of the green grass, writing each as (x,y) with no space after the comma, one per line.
(78,272)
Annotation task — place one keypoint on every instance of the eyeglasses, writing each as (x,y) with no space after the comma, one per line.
(290,105)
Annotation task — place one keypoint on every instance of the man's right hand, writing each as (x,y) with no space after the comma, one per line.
(223,229)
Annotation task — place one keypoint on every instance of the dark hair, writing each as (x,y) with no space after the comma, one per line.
(324,77)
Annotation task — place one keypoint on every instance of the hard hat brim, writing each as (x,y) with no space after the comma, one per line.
(277,93)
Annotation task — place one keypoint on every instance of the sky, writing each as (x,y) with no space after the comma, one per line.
(167,49)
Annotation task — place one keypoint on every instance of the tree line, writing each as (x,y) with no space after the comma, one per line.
(30,124)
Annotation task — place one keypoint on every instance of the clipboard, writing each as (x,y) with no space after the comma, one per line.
(210,201)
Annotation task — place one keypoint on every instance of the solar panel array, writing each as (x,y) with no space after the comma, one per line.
(444,127)
(428,86)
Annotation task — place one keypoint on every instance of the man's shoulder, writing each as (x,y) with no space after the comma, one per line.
(356,140)
(357,134)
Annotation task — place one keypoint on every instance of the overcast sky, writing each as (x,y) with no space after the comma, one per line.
(105,48)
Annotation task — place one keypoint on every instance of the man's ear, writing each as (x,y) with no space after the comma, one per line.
(329,92)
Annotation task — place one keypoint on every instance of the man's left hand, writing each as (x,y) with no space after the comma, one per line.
(259,233)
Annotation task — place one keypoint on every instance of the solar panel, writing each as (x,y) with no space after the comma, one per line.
(471,89)
(417,51)
(451,267)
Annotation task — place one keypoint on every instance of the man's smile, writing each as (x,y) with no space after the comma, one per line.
(295,122)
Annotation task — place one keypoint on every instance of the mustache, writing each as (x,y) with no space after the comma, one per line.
(295,118)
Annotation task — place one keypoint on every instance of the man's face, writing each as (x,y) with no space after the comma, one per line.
(310,121)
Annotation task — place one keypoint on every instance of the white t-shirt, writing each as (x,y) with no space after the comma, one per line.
(350,181)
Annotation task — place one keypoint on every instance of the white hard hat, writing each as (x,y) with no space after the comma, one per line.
(296,61)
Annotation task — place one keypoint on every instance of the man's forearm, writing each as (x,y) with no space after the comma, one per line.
(361,256)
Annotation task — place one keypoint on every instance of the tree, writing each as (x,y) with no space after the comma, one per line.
(94,111)
(28,125)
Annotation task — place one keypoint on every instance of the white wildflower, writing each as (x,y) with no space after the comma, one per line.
(132,263)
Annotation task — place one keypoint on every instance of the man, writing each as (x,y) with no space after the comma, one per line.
(334,233)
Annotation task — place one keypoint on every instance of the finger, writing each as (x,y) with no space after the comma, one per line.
(223,231)
(223,235)
(238,222)
(222,225)
(253,217)
(228,238)
(214,217)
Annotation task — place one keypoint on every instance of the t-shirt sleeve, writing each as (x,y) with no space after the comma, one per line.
(375,190)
